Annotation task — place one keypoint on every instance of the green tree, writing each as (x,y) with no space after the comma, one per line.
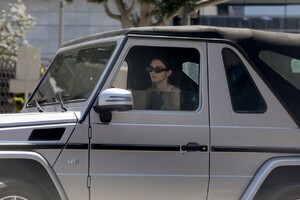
(13,30)
(136,13)
(14,25)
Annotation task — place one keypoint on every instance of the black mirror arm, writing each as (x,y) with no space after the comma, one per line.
(105,116)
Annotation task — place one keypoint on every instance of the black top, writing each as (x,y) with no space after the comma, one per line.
(242,36)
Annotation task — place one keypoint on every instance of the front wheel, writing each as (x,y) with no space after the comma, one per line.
(291,192)
(18,191)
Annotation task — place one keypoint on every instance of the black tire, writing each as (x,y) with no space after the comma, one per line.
(290,192)
(12,190)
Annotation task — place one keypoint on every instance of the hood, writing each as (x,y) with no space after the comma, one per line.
(26,119)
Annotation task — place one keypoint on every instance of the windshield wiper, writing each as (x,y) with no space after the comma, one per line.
(62,105)
(40,109)
(37,103)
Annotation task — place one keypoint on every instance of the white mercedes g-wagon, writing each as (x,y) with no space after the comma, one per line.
(160,113)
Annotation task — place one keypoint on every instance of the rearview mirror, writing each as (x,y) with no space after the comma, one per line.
(113,99)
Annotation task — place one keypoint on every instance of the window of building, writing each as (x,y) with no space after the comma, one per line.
(161,78)
(245,97)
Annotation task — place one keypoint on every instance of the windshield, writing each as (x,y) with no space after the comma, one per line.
(73,75)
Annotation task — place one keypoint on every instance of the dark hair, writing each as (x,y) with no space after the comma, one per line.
(164,59)
(169,64)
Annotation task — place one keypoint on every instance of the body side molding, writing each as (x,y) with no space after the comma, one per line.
(249,149)
(135,147)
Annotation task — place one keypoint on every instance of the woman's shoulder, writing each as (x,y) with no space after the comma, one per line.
(175,89)
(151,89)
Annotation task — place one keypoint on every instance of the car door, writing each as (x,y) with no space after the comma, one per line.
(147,154)
(248,124)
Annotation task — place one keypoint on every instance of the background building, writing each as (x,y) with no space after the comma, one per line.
(80,18)
(57,22)
(275,15)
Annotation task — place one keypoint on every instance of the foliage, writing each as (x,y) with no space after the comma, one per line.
(18,102)
(163,8)
(144,12)
(13,29)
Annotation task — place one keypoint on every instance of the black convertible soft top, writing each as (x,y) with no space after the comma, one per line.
(246,38)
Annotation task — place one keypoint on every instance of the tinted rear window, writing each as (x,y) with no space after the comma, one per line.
(283,73)
(287,67)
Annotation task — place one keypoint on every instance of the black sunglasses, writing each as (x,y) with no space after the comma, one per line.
(156,69)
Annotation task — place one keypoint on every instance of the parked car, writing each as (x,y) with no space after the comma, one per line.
(92,128)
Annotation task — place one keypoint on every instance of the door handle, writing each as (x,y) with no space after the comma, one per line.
(193,147)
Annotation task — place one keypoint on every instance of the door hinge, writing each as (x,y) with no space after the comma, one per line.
(90,132)
(89,180)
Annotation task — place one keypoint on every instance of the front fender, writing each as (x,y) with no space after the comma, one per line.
(36,162)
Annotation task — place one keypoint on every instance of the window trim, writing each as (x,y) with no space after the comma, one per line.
(155,42)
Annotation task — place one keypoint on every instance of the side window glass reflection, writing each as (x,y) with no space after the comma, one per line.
(161,78)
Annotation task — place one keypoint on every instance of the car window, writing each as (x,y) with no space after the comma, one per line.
(281,70)
(72,76)
(161,78)
(286,66)
(244,95)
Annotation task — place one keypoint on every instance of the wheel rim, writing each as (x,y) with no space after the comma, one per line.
(13,197)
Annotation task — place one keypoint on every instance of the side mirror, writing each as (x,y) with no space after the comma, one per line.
(113,99)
